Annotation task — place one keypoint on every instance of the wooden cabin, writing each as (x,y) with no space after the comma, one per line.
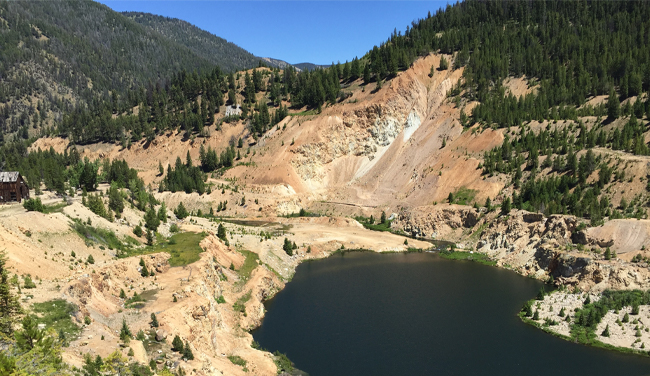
(12,187)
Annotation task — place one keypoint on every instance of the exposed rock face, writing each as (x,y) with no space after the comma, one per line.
(436,221)
(368,130)
(530,244)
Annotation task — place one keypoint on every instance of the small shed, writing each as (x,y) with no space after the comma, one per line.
(12,187)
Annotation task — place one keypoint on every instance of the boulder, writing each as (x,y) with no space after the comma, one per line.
(161,335)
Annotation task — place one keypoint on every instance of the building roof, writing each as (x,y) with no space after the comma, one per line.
(9,176)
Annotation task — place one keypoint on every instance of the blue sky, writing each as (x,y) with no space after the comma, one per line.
(295,31)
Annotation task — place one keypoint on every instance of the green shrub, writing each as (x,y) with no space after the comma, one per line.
(282,362)
(34,204)
(28,283)
(238,360)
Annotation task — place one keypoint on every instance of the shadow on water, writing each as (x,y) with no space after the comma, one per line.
(419,314)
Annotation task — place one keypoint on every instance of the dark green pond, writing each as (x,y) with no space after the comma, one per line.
(419,314)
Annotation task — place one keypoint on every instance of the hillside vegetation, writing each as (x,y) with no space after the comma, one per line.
(227,55)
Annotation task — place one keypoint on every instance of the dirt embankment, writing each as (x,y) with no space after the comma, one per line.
(212,303)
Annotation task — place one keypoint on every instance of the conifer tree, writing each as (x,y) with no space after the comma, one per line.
(162,212)
(443,64)
(605,332)
(144,271)
(180,211)
(154,321)
(125,332)
(505,206)
(9,304)
(366,74)
(177,344)
(613,105)
(288,247)
(30,336)
(221,232)
(187,352)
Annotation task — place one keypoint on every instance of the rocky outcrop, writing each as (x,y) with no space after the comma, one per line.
(436,222)
(530,244)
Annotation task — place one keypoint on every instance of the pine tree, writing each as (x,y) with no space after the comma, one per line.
(541,293)
(288,247)
(151,220)
(144,271)
(125,332)
(608,254)
(180,211)
(366,74)
(187,352)
(177,344)
(9,304)
(221,232)
(162,213)
(505,206)
(605,332)
(154,321)
(613,105)
(382,219)
(30,336)
(443,64)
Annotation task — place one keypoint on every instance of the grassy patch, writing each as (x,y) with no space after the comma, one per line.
(374,226)
(239,305)
(476,234)
(282,362)
(57,314)
(249,264)
(186,249)
(476,257)
(183,247)
(274,271)
(101,236)
(305,113)
(464,196)
(344,251)
(238,360)
(56,208)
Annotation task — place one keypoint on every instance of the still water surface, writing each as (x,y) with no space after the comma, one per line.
(419,314)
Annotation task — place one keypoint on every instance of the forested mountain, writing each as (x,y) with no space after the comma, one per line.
(228,56)
(570,52)
(58,55)
(308,66)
